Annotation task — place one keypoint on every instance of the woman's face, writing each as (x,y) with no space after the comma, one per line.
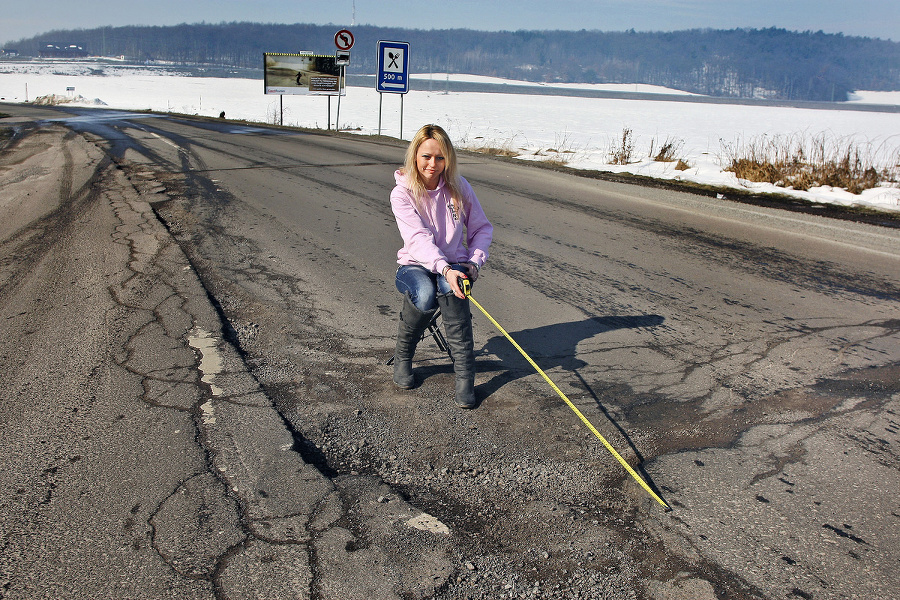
(430,162)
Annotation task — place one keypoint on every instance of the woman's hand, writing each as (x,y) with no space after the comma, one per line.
(453,277)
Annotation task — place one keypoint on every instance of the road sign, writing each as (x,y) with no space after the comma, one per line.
(393,67)
(343,39)
(342,58)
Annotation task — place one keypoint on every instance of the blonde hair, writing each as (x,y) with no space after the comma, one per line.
(450,173)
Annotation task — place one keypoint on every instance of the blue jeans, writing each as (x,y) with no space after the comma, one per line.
(422,285)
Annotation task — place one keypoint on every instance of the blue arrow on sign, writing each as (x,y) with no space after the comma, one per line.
(393,67)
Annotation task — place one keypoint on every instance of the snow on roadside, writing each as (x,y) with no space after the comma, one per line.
(578,131)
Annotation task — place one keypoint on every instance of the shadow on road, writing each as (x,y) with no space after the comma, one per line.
(550,347)
(556,346)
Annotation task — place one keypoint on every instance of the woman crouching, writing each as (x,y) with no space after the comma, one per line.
(446,236)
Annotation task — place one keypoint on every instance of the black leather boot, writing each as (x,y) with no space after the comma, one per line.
(458,329)
(413,323)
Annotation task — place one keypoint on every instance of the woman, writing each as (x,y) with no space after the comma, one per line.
(445,239)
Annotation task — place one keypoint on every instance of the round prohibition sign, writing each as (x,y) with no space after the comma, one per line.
(343,39)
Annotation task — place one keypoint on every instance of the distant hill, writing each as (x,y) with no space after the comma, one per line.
(744,63)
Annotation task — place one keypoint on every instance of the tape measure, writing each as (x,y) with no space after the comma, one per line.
(466,287)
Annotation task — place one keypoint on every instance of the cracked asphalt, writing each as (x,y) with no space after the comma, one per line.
(127,473)
(194,401)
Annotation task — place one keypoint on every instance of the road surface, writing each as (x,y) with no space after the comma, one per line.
(196,403)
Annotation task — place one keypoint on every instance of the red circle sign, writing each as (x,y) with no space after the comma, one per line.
(343,39)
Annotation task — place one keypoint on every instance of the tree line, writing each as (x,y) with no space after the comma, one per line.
(744,63)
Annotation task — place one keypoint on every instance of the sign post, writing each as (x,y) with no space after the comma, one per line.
(343,41)
(393,74)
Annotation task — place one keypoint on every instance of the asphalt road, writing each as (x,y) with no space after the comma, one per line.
(744,359)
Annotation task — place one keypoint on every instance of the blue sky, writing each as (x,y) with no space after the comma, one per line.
(872,18)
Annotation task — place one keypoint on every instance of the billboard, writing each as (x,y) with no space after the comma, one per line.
(310,74)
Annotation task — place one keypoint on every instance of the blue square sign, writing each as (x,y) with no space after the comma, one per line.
(393,67)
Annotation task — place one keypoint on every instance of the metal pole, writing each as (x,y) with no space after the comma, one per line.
(401,115)
(329,113)
(337,117)
(380,100)
(281,109)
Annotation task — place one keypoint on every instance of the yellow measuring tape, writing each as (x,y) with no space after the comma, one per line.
(466,289)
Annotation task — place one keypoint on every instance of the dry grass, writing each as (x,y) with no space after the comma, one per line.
(621,150)
(803,163)
(560,159)
(562,152)
(505,148)
(668,151)
(496,151)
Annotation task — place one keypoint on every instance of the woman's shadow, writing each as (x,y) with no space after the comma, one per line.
(556,346)
(550,346)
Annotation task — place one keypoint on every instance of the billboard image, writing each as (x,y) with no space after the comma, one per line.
(301,74)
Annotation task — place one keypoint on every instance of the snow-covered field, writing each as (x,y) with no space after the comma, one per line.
(581,131)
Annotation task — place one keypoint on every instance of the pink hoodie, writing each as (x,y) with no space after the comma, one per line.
(434,238)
